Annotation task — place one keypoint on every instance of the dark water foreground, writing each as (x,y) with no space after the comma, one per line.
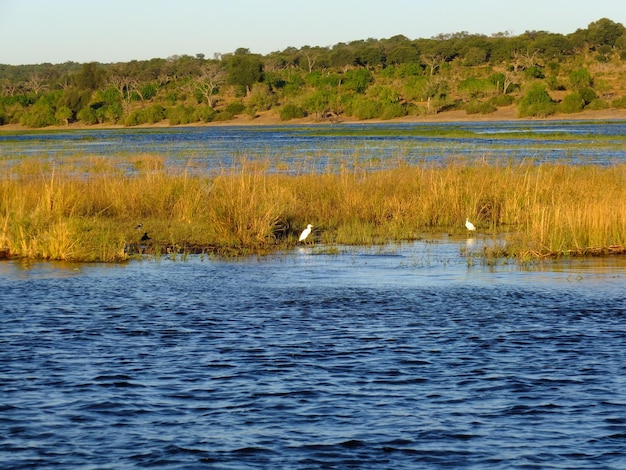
(391,358)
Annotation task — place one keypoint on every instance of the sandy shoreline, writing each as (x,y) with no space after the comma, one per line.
(271,119)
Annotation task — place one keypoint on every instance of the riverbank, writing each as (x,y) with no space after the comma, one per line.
(271,118)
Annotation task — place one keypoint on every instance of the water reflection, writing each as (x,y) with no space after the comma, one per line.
(432,261)
(42,269)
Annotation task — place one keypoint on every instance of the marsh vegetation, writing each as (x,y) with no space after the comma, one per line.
(87,209)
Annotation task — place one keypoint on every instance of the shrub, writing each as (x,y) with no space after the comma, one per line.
(534,72)
(223,116)
(619,102)
(572,103)
(357,80)
(479,107)
(180,115)
(112,113)
(393,110)
(87,116)
(502,100)
(261,97)
(39,115)
(151,115)
(135,118)
(365,109)
(234,108)
(63,115)
(154,114)
(554,84)
(597,105)
(580,78)
(291,111)
(536,103)
(588,95)
(476,87)
(204,113)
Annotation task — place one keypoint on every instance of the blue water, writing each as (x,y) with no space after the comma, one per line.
(402,356)
(306,148)
(394,357)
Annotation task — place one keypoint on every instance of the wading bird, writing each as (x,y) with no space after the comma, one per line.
(469,225)
(138,226)
(145,237)
(305,233)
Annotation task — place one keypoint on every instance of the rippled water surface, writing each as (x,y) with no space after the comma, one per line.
(390,357)
(301,148)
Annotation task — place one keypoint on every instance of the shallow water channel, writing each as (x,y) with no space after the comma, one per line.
(400,356)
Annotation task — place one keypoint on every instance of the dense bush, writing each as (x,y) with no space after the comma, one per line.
(536,102)
(477,88)
(619,103)
(534,72)
(87,116)
(392,111)
(234,108)
(291,111)
(597,105)
(502,100)
(580,78)
(588,95)
(479,107)
(205,113)
(223,116)
(151,115)
(40,115)
(364,108)
(180,115)
(572,103)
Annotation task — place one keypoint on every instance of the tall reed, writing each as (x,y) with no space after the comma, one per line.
(90,212)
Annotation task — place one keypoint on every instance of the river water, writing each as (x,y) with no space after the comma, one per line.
(392,357)
(319,148)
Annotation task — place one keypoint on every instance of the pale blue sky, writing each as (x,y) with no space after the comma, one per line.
(56,31)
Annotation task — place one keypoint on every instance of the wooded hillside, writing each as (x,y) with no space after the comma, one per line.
(541,73)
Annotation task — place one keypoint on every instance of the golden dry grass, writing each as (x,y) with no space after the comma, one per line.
(88,212)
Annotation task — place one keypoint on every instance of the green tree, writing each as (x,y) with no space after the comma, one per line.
(244,69)
(261,97)
(41,114)
(75,99)
(604,32)
(90,77)
(291,111)
(357,80)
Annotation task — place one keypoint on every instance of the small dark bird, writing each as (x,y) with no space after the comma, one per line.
(145,237)
(138,226)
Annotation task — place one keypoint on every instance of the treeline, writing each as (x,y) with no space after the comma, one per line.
(540,72)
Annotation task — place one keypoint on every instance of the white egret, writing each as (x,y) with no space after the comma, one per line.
(469,225)
(305,233)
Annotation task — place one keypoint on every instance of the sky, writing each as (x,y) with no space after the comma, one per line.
(107,31)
